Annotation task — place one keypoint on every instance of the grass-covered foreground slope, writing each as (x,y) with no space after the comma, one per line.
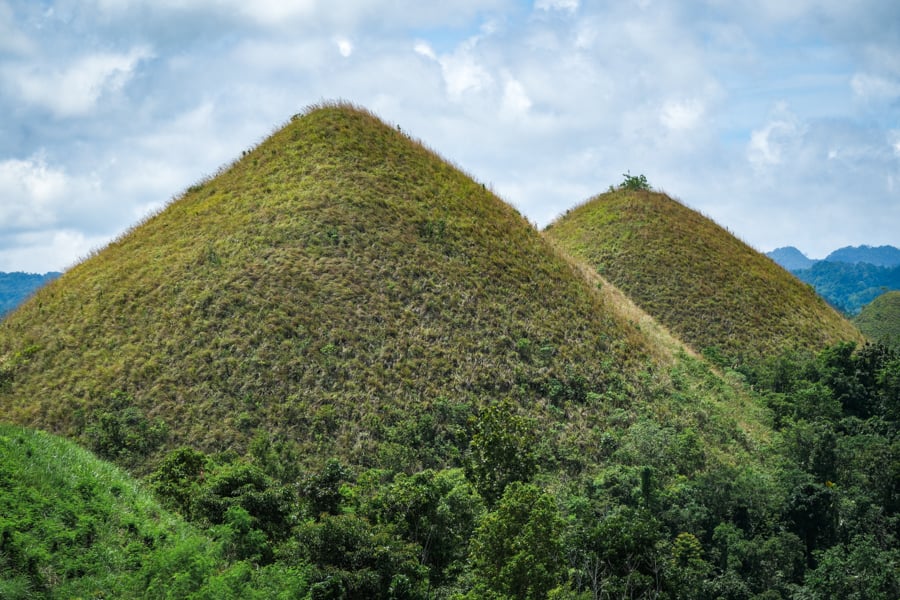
(880,319)
(340,286)
(708,287)
(73,526)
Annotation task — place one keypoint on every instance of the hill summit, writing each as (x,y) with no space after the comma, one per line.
(712,290)
(791,258)
(341,286)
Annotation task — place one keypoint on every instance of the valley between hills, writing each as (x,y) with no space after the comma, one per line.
(342,368)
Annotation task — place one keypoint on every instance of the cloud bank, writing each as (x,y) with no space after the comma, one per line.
(779,120)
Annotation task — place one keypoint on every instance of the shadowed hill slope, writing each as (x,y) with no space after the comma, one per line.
(880,319)
(705,285)
(339,286)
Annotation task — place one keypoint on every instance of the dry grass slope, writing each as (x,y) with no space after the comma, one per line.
(335,279)
(345,290)
(880,319)
(705,285)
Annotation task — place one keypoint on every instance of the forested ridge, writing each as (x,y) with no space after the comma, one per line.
(343,369)
(850,287)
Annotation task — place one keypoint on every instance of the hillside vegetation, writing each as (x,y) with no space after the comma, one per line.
(709,288)
(73,526)
(340,288)
(880,320)
(358,374)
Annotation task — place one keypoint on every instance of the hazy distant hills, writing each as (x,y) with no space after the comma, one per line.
(793,259)
(790,258)
(881,256)
(16,287)
(850,277)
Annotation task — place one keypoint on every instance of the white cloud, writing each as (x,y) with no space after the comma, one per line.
(51,250)
(274,12)
(515,101)
(266,56)
(873,87)
(76,90)
(463,73)
(30,191)
(12,40)
(894,137)
(681,115)
(767,144)
(425,49)
(562,5)
(345,46)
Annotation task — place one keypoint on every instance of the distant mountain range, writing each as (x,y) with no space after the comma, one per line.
(16,287)
(848,278)
(793,259)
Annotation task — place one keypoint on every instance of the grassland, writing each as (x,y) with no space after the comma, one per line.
(880,319)
(709,288)
(73,526)
(341,287)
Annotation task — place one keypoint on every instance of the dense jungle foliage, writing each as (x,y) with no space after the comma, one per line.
(850,287)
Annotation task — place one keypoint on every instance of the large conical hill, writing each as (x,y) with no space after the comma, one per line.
(710,289)
(341,286)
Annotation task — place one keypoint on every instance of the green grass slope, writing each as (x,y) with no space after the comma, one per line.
(340,287)
(705,285)
(880,319)
(73,526)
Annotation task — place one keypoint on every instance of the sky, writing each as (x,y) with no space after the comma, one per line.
(780,120)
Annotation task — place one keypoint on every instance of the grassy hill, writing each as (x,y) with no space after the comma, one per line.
(73,526)
(340,287)
(365,376)
(705,285)
(880,319)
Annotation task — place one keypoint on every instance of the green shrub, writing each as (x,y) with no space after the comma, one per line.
(634,182)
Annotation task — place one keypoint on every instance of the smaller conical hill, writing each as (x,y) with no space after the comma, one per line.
(705,285)
(880,319)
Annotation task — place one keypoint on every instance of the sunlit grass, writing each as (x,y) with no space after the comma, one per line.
(709,288)
(334,284)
